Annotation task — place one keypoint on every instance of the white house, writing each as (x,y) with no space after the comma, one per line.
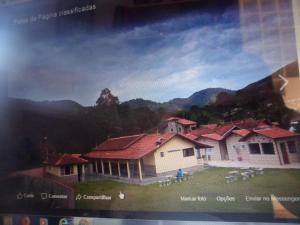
(177,125)
(273,146)
(145,155)
(253,141)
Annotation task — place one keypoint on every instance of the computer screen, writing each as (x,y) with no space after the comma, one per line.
(149,110)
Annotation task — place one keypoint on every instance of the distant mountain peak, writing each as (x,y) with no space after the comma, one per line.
(107,98)
(200,98)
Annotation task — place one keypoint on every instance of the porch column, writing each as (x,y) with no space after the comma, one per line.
(128,169)
(83,171)
(96,165)
(119,170)
(102,166)
(90,168)
(109,165)
(140,170)
(278,152)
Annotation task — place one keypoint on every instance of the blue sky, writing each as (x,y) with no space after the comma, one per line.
(156,61)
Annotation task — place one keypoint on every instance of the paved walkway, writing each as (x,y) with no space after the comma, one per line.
(235,164)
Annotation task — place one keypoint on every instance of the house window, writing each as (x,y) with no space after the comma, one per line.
(162,154)
(268,148)
(254,148)
(179,129)
(188,152)
(172,130)
(292,146)
(66,170)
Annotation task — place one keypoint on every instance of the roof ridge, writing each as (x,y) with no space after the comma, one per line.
(60,159)
(134,141)
(127,136)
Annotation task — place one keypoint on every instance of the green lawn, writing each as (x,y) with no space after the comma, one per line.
(210,183)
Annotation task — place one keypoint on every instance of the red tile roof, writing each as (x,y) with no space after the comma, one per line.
(65,159)
(201,131)
(191,136)
(209,126)
(186,122)
(217,132)
(274,133)
(251,123)
(242,132)
(213,136)
(181,121)
(145,145)
(172,118)
(119,142)
(223,129)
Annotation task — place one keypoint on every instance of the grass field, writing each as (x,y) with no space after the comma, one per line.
(208,183)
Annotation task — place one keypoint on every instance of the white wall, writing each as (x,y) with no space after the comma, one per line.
(262,159)
(178,128)
(174,160)
(215,151)
(237,151)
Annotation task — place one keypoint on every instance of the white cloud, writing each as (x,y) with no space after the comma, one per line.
(159,61)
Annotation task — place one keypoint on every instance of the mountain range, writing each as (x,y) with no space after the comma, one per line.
(200,98)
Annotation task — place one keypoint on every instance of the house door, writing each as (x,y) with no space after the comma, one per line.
(223,151)
(284,153)
(198,153)
(238,153)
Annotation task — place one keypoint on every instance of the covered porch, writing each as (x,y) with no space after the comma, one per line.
(121,169)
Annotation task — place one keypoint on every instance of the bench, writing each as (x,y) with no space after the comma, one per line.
(230,179)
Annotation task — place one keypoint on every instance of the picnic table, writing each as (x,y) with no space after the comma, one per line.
(234,172)
(259,171)
(170,179)
(230,179)
(188,176)
(245,168)
(245,175)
